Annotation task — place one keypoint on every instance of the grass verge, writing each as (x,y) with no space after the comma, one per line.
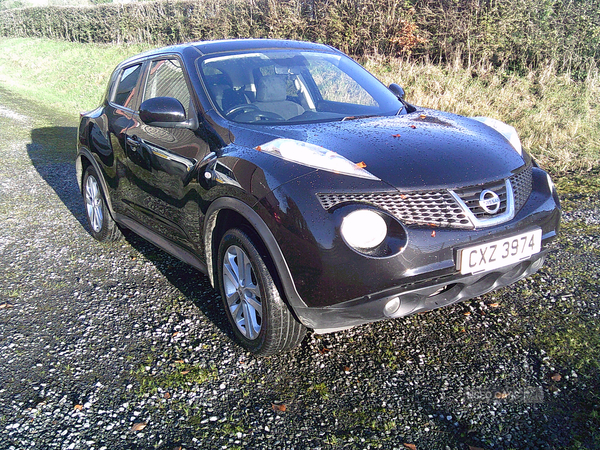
(68,77)
(557,117)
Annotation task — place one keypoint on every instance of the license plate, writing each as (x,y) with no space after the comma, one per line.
(500,253)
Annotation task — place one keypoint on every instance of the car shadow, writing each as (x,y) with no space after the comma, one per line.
(52,153)
(193,284)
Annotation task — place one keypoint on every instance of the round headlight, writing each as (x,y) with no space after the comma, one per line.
(364,229)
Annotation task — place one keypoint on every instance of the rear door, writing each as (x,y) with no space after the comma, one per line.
(164,160)
(120,112)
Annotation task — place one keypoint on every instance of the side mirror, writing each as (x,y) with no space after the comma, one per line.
(165,112)
(397,90)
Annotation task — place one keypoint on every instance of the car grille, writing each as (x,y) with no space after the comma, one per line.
(440,208)
(434,208)
(522,184)
(471,194)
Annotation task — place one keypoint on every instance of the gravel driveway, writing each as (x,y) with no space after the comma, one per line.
(120,346)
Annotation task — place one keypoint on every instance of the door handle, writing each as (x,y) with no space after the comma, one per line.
(133,142)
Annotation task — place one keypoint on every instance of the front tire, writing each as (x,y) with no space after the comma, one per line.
(102,226)
(261,321)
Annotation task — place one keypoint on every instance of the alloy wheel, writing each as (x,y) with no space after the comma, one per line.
(93,203)
(242,292)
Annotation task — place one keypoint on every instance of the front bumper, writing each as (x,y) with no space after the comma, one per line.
(423,296)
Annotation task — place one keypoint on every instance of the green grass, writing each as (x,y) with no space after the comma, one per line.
(183,376)
(321,389)
(67,76)
(557,117)
(573,342)
(578,188)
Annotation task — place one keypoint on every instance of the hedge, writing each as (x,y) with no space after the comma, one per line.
(357,27)
(517,34)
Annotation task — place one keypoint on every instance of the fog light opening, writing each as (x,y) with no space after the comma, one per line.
(391,307)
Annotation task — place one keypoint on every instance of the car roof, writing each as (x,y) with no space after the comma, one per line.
(231,45)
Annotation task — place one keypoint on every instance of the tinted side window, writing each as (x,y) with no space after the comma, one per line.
(166,79)
(126,87)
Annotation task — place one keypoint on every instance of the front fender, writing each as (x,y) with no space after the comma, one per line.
(265,234)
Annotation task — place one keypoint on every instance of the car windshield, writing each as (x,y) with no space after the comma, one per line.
(282,86)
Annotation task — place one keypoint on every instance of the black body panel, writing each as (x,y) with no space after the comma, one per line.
(177,184)
(405,157)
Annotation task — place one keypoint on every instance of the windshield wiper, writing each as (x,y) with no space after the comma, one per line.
(359,117)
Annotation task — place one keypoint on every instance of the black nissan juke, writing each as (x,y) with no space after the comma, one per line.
(311,195)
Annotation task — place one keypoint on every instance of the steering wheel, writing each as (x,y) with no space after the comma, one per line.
(267,115)
(258,113)
(244,107)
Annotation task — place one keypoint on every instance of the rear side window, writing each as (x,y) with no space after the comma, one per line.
(166,79)
(126,90)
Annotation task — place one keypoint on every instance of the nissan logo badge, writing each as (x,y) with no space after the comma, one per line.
(489,201)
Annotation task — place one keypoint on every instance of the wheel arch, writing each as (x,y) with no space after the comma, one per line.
(228,212)
(84,159)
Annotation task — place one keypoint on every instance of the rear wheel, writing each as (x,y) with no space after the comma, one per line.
(261,321)
(102,226)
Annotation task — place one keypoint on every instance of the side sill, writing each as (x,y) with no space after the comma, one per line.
(168,246)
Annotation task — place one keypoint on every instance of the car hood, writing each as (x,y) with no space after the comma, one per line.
(425,148)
